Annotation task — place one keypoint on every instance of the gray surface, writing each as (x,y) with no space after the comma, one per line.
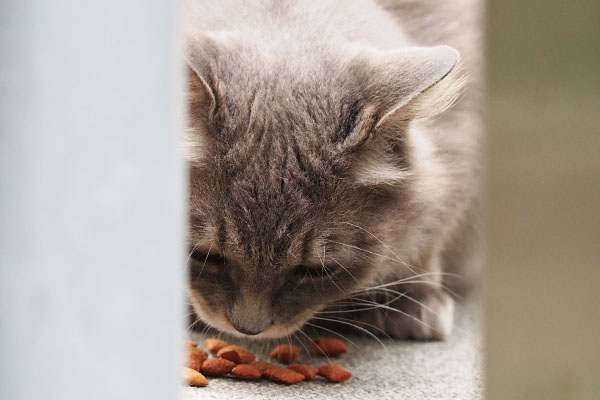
(401,370)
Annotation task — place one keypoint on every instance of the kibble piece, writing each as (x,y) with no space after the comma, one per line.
(334,373)
(195,357)
(193,378)
(217,367)
(283,375)
(286,353)
(308,371)
(237,354)
(191,343)
(246,371)
(262,366)
(329,346)
(214,345)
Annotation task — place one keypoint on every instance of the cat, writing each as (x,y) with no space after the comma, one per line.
(332,168)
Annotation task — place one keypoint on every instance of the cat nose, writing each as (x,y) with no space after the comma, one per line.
(247,331)
(249,320)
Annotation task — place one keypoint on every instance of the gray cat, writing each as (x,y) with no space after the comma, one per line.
(334,176)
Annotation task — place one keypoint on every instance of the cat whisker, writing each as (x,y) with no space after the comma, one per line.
(333,332)
(371,304)
(205,260)
(410,298)
(301,280)
(344,268)
(384,333)
(301,343)
(187,261)
(411,280)
(410,267)
(191,326)
(311,278)
(327,271)
(310,340)
(355,326)
(386,307)
(437,285)
(373,253)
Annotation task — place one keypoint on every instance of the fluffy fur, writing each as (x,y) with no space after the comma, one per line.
(327,163)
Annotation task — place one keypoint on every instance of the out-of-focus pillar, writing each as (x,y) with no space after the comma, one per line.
(544,200)
(91,200)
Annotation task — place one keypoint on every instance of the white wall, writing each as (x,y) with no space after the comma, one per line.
(91,200)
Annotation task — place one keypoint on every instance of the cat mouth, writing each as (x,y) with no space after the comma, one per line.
(275,331)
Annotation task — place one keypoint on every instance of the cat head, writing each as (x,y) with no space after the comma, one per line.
(298,161)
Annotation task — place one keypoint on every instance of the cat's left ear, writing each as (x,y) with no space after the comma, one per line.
(400,86)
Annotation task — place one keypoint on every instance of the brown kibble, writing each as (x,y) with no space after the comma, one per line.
(214,345)
(329,346)
(195,357)
(283,375)
(217,367)
(308,371)
(190,343)
(286,353)
(334,373)
(193,378)
(262,366)
(246,371)
(237,354)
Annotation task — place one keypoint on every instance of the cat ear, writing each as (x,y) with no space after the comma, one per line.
(201,101)
(201,80)
(403,85)
(201,97)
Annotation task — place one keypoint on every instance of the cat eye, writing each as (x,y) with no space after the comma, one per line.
(301,271)
(210,258)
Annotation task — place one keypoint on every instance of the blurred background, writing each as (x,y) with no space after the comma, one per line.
(543,199)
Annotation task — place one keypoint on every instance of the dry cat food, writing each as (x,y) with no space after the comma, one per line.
(217,367)
(241,363)
(246,371)
(262,366)
(334,373)
(195,356)
(329,346)
(286,353)
(237,354)
(283,375)
(214,345)
(193,377)
(308,371)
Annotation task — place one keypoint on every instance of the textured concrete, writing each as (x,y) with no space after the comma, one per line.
(394,370)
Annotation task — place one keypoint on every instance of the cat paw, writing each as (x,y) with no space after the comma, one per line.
(423,315)
(429,316)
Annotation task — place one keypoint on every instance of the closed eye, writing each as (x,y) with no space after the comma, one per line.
(301,271)
(207,258)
